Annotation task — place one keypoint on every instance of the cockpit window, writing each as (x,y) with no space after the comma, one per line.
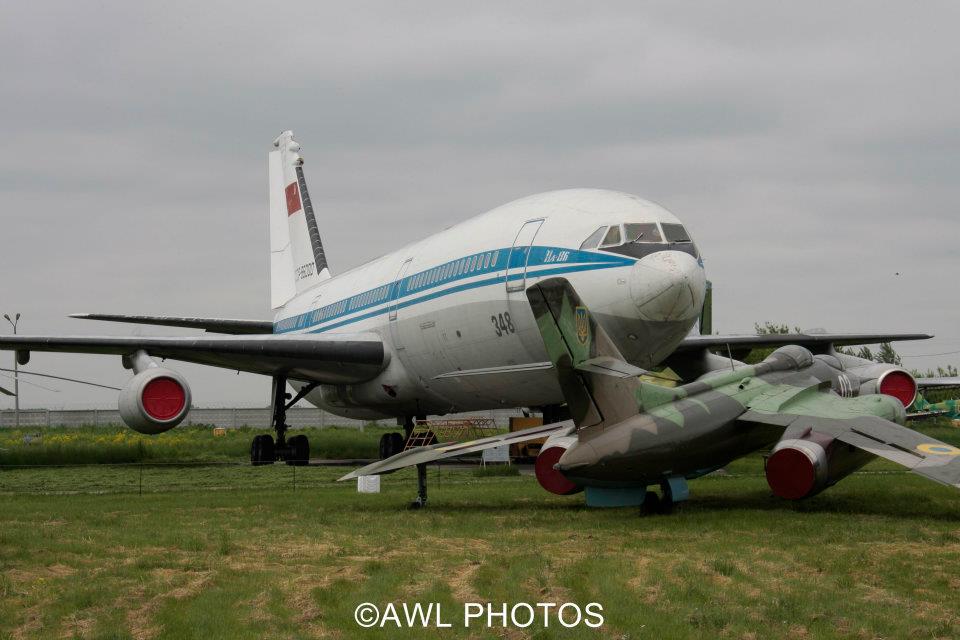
(675,233)
(612,238)
(646,232)
(594,239)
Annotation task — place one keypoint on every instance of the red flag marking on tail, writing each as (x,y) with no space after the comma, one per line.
(293,198)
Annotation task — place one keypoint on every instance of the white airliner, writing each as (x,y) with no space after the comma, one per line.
(441,325)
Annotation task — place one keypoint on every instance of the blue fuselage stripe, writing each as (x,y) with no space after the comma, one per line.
(386,297)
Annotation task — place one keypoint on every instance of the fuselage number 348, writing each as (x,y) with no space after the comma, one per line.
(502,324)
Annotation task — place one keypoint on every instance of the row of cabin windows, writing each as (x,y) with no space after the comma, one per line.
(452,269)
(458,267)
(370,297)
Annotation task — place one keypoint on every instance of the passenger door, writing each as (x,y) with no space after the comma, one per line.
(395,296)
(516,274)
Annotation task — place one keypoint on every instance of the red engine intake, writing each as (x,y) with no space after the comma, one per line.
(155,400)
(803,467)
(548,477)
(898,384)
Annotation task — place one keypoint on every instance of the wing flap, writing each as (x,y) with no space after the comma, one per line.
(422,455)
(334,359)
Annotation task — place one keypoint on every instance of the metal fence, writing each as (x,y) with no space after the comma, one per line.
(230,418)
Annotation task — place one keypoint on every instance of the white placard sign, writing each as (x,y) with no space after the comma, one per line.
(368,484)
(497,454)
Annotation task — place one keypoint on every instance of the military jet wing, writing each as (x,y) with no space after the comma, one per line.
(937,383)
(919,453)
(210,325)
(329,359)
(421,455)
(813,341)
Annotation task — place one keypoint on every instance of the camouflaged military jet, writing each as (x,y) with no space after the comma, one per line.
(922,408)
(627,435)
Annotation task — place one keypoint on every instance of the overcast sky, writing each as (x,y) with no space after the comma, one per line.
(813,153)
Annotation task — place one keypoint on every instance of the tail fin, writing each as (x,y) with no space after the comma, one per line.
(297,260)
(600,388)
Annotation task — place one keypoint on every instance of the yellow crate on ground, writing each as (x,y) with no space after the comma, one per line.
(531,448)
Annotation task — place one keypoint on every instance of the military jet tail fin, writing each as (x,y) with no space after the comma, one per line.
(599,386)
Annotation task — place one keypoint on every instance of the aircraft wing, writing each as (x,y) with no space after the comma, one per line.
(210,325)
(812,341)
(937,383)
(432,453)
(329,359)
(919,453)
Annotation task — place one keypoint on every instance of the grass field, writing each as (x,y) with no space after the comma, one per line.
(235,552)
(119,444)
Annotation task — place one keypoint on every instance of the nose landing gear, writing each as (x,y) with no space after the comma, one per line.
(296,450)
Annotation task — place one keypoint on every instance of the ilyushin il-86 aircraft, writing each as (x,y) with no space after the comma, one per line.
(446,324)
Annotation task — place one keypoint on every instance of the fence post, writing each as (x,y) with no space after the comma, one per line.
(48,418)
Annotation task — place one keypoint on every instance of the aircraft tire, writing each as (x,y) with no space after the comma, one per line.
(651,504)
(261,450)
(300,450)
(385,446)
(396,443)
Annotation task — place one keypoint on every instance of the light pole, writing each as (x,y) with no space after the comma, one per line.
(16,376)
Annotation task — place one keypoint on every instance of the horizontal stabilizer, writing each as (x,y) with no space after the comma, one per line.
(210,325)
(610,366)
(432,453)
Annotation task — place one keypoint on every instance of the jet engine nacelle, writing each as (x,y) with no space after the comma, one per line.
(889,380)
(155,400)
(548,477)
(855,376)
(803,467)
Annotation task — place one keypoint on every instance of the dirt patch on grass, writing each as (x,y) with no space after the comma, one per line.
(32,622)
(460,582)
(190,584)
(74,627)
(258,608)
(39,574)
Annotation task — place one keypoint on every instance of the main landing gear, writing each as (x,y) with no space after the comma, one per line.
(296,450)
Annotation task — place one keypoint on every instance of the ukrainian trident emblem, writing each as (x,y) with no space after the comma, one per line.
(583,324)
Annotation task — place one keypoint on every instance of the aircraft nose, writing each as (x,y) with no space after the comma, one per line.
(668,286)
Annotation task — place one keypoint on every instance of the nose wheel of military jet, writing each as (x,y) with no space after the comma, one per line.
(295,451)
